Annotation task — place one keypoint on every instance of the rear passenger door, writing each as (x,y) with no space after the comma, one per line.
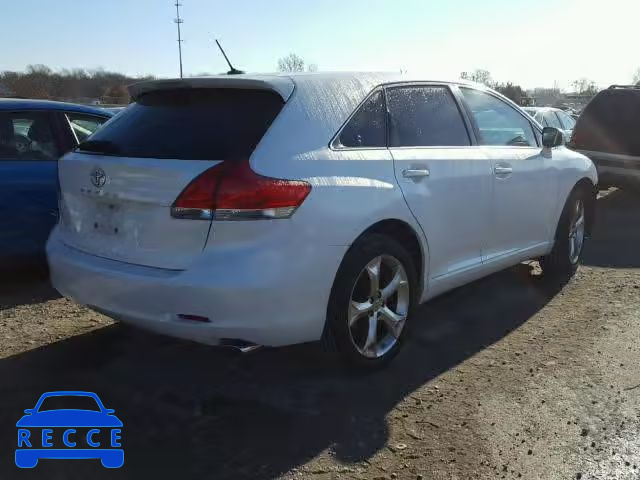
(525,182)
(446,181)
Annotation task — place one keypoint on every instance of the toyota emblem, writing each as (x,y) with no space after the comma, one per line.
(98,177)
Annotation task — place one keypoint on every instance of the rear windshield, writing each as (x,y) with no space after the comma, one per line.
(611,122)
(194,124)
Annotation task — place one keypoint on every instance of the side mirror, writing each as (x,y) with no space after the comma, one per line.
(552,137)
(109,411)
(29,411)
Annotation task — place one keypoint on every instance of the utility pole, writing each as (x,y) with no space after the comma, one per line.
(179,21)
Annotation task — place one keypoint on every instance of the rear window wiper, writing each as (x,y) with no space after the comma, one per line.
(99,146)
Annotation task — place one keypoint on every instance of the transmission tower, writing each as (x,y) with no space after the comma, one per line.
(178,21)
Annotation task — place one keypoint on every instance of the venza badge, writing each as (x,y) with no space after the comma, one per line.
(98,177)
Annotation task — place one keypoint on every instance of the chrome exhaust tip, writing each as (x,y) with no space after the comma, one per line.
(241,345)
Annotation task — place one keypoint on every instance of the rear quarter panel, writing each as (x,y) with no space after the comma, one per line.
(351,189)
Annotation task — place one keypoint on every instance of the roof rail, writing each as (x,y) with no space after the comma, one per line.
(624,86)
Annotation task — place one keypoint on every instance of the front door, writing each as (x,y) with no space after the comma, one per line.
(525,182)
(446,181)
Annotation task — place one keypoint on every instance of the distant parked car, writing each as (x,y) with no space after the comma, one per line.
(553,117)
(608,132)
(256,210)
(33,135)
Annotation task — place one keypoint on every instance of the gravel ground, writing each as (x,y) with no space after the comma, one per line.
(504,378)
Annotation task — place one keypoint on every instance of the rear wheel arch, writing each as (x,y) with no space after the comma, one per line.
(408,237)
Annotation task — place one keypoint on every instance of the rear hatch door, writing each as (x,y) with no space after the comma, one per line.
(117,188)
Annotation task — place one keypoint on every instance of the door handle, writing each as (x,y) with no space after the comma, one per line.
(502,170)
(415,172)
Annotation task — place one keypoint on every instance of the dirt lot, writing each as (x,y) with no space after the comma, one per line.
(505,378)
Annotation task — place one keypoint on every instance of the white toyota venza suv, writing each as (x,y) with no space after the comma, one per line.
(278,209)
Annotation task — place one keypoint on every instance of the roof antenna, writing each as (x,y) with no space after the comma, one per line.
(232,69)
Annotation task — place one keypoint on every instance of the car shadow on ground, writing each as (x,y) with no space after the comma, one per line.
(194,411)
(25,285)
(191,410)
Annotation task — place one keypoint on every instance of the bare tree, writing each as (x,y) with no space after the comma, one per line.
(584,86)
(291,63)
(511,91)
(312,67)
(479,76)
(39,81)
(636,77)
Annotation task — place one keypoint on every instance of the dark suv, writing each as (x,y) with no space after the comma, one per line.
(608,132)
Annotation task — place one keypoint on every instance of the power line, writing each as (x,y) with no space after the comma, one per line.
(178,21)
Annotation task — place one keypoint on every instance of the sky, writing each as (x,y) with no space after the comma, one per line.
(531,43)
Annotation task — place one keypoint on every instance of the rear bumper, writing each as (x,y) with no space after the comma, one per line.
(614,168)
(263,296)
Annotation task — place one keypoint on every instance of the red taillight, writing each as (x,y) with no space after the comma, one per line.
(232,191)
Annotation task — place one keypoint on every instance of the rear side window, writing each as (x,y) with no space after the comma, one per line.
(367,127)
(424,116)
(193,124)
(610,123)
(83,126)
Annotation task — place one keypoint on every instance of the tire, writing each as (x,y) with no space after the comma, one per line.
(562,263)
(348,329)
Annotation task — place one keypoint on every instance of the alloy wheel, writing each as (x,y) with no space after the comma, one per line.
(379,306)
(576,231)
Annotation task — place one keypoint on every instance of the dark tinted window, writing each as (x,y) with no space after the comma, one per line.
(67,402)
(27,136)
(610,123)
(498,122)
(425,116)
(367,127)
(195,124)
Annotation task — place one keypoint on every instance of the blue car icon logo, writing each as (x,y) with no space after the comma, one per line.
(69,425)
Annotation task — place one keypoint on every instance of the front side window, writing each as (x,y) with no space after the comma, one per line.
(367,127)
(27,136)
(425,116)
(498,122)
(84,125)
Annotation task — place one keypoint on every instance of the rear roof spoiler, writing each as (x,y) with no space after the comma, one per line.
(625,86)
(283,86)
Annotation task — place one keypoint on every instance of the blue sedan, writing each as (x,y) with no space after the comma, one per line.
(33,135)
